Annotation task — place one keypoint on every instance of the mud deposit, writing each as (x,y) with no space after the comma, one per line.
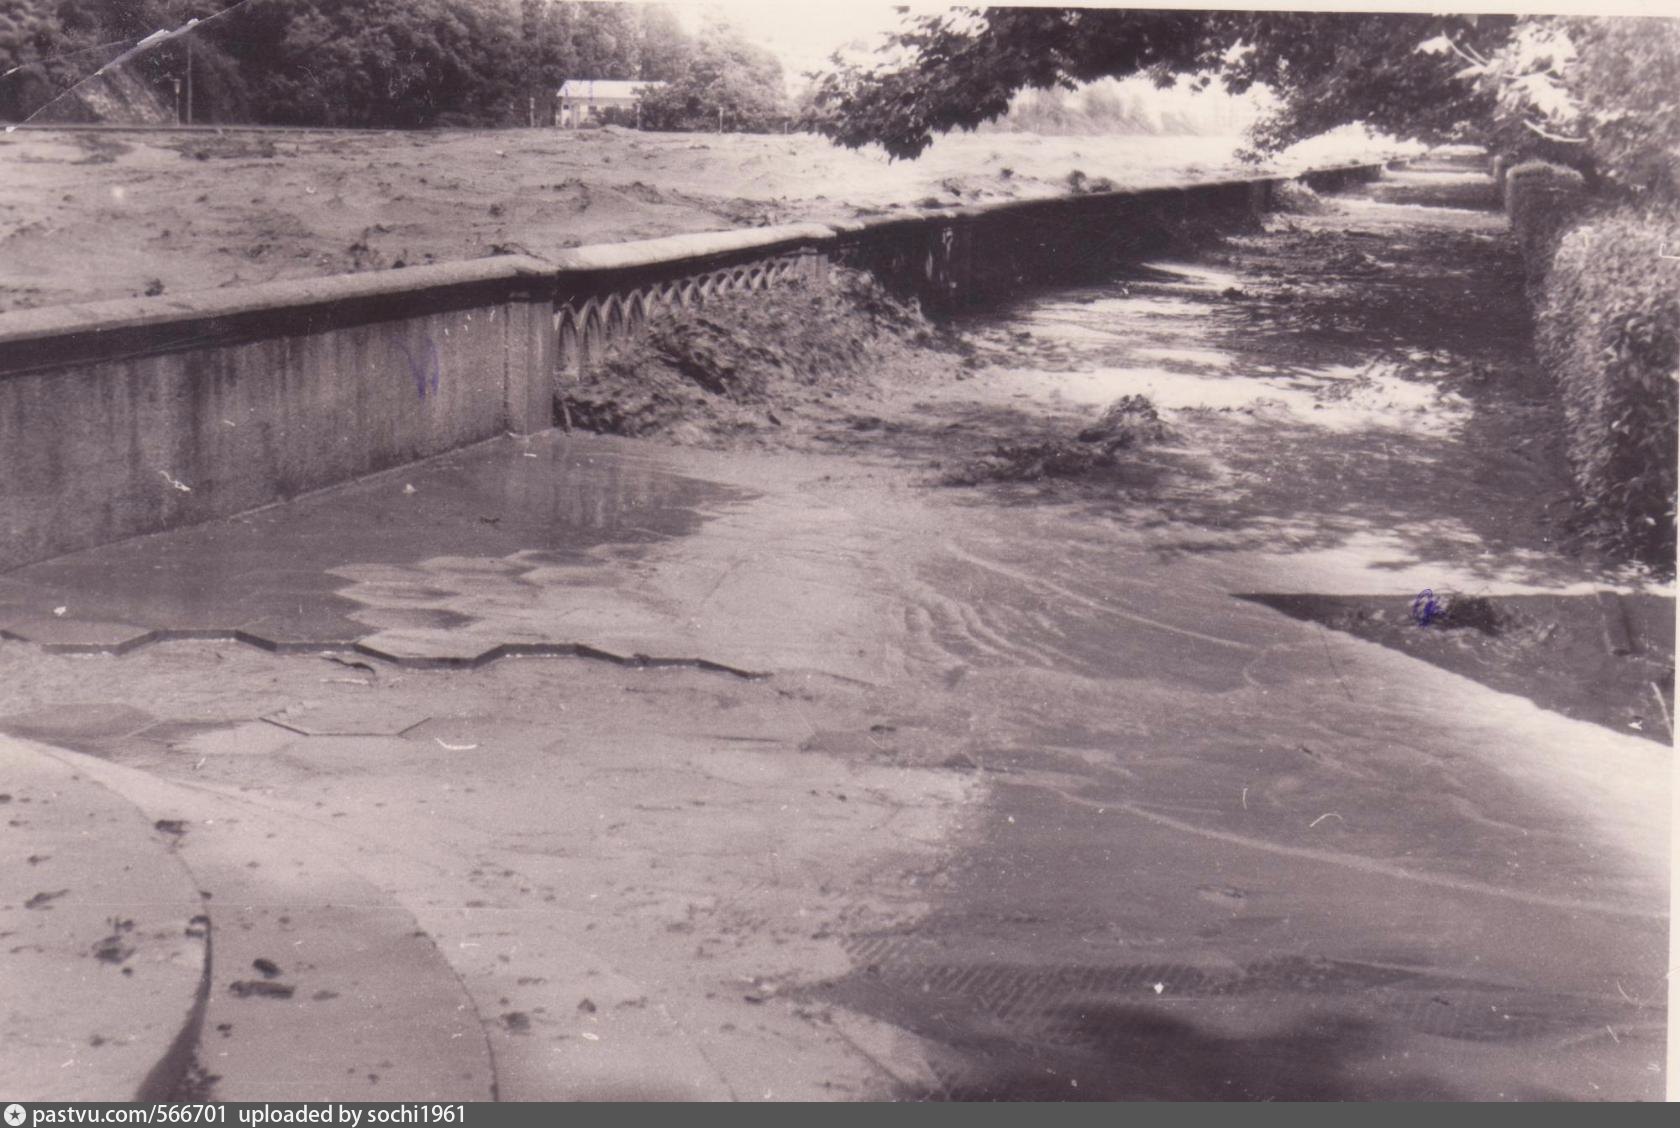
(87,215)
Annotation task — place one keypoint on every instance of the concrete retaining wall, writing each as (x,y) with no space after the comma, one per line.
(963,257)
(128,417)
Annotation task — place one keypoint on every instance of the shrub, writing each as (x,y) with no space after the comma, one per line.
(1542,200)
(1627,78)
(1609,333)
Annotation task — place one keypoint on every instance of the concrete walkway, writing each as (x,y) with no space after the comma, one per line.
(1021,800)
(107,946)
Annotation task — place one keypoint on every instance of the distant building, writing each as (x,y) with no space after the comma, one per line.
(588,99)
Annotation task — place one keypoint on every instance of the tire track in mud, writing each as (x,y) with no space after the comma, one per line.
(988,1024)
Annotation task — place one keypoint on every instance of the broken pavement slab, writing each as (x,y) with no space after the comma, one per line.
(348,718)
(75,724)
(106,964)
(66,635)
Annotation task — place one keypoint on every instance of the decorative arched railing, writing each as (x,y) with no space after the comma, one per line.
(606,295)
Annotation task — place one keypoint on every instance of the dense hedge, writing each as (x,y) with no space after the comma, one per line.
(1542,199)
(1609,333)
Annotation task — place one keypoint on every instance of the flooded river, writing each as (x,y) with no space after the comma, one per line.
(820,779)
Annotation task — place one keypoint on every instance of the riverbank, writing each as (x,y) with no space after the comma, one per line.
(90,215)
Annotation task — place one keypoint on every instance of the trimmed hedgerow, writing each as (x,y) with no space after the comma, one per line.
(1542,200)
(1609,333)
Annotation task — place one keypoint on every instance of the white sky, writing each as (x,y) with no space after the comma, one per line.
(805,32)
(802,33)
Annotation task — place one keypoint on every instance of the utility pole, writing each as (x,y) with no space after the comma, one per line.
(177,101)
(189,79)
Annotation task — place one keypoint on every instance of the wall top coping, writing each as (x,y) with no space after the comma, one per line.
(517,272)
(677,248)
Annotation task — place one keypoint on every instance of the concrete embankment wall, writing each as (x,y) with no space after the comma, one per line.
(128,417)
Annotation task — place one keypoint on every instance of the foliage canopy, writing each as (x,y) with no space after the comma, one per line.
(381,63)
(958,69)
(1602,94)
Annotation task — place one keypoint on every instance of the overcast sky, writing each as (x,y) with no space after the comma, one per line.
(803,34)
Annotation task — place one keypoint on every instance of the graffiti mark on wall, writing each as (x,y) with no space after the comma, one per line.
(426,367)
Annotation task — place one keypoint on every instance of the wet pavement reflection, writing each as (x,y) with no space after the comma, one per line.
(511,505)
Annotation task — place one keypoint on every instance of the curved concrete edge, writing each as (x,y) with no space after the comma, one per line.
(361,1003)
(166,1077)
(105,965)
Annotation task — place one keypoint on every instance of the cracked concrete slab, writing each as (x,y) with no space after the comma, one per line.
(68,635)
(354,717)
(69,722)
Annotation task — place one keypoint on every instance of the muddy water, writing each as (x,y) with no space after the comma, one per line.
(1229,856)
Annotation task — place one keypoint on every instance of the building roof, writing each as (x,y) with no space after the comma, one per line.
(604,88)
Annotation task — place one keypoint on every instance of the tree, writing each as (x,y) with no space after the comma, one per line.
(606,41)
(68,42)
(666,49)
(1331,69)
(1600,94)
(391,63)
(31,38)
(382,63)
(1627,84)
(725,74)
(956,70)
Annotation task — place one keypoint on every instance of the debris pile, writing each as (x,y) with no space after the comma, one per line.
(751,364)
(1126,424)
